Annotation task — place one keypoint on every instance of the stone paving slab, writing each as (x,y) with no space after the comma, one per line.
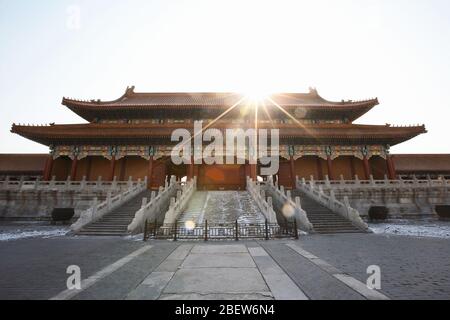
(281,286)
(152,286)
(313,281)
(220,248)
(217,280)
(411,267)
(351,282)
(218,296)
(119,284)
(230,260)
(35,269)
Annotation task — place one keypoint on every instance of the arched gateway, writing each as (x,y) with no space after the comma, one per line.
(131,136)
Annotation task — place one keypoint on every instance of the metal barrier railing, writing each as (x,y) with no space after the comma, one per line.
(228,231)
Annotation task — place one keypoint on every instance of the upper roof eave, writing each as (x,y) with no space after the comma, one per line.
(92,132)
(146,102)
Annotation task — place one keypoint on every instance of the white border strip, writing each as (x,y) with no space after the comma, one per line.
(68,294)
(279,283)
(351,282)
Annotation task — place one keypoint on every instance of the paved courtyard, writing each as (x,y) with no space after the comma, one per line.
(314,267)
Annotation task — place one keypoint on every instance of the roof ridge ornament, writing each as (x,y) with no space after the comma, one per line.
(313,91)
(130,90)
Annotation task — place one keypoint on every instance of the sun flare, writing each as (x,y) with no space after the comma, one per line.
(256,95)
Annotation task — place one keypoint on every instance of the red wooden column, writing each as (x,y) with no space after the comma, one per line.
(329,153)
(151,159)
(88,168)
(319,169)
(150,171)
(73,169)
(352,168)
(112,168)
(330,168)
(253,171)
(292,165)
(48,168)
(391,168)
(367,171)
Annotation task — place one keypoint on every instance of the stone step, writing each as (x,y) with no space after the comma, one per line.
(102,226)
(324,220)
(98,233)
(116,222)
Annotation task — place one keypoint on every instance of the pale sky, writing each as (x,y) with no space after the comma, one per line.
(396,50)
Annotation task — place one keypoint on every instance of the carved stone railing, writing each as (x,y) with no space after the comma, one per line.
(154,207)
(263,203)
(179,204)
(382,184)
(285,199)
(67,185)
(402,198)
(98,210)
(329,201)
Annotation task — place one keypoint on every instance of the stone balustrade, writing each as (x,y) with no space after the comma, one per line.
(329,201)
(67,185)
(179,204)
(402,198)
(283,199)
(152,208)
(98,210)
(384,184)
(263,203)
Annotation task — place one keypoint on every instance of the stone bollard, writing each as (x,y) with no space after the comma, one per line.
(94,208)
(346,201)
(108,199)
(332,195)
(36,184)
(52,182)
(83,183)
(327,181)
(144,202)
(153,196)
(68,181)
(289,195)
(298,203)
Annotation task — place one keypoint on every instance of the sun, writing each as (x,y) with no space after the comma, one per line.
(256,95)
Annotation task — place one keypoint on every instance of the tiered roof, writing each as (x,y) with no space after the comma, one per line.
(146,133)
(134,105)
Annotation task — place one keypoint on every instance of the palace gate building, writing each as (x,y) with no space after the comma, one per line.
(131,136)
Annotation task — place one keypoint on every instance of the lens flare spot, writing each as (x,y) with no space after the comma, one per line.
(288,210)
(190,225)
